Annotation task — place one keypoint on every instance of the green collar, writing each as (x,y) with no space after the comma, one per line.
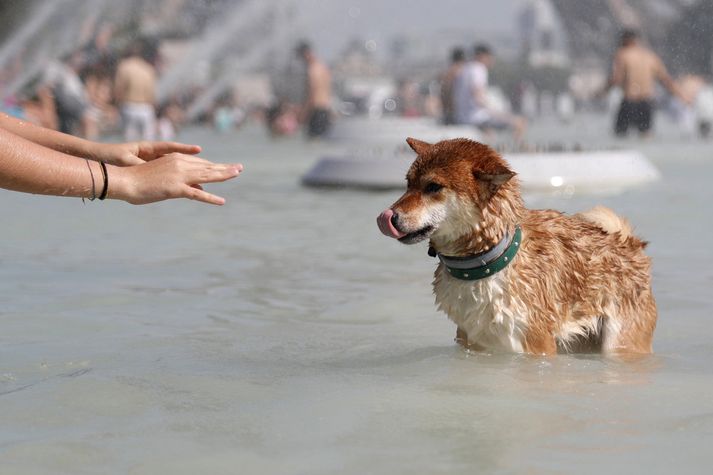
(485,264)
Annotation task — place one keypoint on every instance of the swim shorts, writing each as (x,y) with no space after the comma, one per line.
(633,114)
(319,122)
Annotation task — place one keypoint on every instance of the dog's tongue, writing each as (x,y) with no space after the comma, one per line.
(386,226)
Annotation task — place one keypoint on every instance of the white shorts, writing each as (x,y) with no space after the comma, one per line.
(139,121)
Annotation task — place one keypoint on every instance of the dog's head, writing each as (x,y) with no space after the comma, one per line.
(449,186)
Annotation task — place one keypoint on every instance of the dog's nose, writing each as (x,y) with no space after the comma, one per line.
(387,224)
(395,220)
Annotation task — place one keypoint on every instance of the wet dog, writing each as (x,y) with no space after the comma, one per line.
(519,280)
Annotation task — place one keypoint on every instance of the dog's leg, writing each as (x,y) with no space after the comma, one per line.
(540,343)
(461,337)
(462,340)
(631,330)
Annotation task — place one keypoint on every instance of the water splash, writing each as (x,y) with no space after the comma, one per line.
(245,62)
(215,40)
(52,32)
(36,21)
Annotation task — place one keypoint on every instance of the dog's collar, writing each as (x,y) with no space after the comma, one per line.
(485,264)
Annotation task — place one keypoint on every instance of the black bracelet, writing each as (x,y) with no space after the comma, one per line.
(106,181)
(94,188)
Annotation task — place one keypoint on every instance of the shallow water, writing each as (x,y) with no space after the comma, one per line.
(283,334)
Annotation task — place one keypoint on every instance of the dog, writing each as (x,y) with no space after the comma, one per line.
(519,280)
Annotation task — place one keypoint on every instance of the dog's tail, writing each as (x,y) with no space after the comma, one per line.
(611,223)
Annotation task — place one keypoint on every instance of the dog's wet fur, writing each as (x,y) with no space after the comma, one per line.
(578,283)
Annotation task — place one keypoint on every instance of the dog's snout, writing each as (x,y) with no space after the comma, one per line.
(395,221)
(387,224)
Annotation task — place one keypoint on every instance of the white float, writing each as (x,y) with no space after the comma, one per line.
(376,157)
(568,172)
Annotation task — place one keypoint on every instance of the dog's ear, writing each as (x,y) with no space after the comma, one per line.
(495,179)
(418,146)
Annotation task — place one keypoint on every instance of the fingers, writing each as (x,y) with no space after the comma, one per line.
(179,175)
(213,173)
(162,148)
(152,150)
(209,173)
(193,193)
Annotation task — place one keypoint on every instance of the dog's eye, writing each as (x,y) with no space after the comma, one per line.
(433,188)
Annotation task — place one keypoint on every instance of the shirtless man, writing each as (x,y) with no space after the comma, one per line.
(135,92)
(317,108)
(635,70)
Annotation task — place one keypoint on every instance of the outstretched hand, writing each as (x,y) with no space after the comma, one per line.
(136,153)
(175,175)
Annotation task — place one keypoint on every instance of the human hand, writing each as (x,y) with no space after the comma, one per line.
(136,153)
(175,175)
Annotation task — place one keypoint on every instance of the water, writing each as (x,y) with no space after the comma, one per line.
(283,334)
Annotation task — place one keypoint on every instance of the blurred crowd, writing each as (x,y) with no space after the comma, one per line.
(109,86)
(503,96)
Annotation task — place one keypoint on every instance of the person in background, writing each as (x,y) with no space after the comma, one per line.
(41,161)
(282,119)
(447,80)
(408,98)
(98,77)
(71,103)
(135,91)
(99,53)
(316,111)
(470,97)
(636,69)
(170,119)
(101,113)
(684,110)
(227,115)
(703,106)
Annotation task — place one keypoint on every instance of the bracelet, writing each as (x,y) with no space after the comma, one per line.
(94,189)
(105,191)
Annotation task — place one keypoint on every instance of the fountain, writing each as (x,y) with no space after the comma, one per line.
(53,30)
(35,23)
(284,32)
(214,41)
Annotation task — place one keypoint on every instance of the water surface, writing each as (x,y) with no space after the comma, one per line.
(283,334)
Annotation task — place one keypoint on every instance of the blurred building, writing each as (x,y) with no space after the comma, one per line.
(543,41)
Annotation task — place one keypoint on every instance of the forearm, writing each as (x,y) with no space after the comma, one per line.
(670,85)
(31,168)
(52,139)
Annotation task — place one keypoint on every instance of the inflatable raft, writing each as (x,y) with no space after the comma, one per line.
(568,172)
(391,131)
